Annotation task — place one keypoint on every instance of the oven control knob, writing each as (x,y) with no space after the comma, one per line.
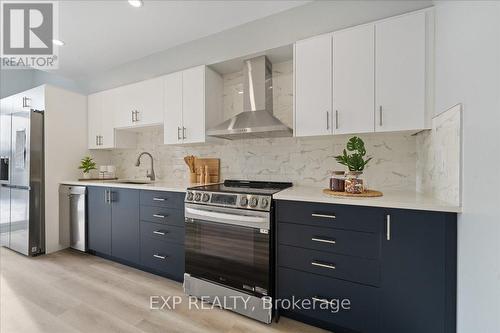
(190,196)
(205,197)
(243,201)
(253,202)
(197,197)
(264,202)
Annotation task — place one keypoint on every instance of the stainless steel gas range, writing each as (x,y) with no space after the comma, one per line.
(229,228)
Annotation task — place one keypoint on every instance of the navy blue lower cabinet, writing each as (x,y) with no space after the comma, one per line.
(338,305)
(125,232)
(148,237)
(398,273)
(165,258)
(99,220)
(418,282)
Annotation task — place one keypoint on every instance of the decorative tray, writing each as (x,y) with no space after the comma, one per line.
(365,194)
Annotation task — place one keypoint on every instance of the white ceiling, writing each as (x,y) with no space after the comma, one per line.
(100,35)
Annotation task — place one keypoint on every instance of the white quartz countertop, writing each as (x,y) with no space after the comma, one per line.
(390,199)
(169,186)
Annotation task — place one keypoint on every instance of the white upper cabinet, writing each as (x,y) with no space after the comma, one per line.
(173,108)
(400,73)
(109,103)
(380,80)
(101,111)
(140,104)
(94,112)
(193,102)
(353,80)
(313,86)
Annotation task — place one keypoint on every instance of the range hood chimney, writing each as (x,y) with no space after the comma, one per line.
(257,119)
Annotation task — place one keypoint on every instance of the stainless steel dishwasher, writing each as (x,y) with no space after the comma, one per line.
(72,217)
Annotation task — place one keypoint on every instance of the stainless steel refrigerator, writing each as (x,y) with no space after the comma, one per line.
(22,223)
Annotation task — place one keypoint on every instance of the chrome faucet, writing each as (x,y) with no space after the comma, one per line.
(150,175)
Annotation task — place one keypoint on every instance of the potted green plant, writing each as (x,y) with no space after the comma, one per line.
(87,164)
(353,159)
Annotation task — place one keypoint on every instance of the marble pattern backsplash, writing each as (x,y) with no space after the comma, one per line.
(439,157)
(303,161)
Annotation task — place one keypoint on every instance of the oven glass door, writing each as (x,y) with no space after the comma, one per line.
(233,255)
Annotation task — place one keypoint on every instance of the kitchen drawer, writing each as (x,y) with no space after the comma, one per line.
(355,269)
(363,315)
(162,215)
(354,243)
(163,199)
(163,257)
(163,232)
(368,219)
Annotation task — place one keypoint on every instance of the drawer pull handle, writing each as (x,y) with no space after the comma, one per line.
(324,215)
(159,256)
(388,227)
(322,240)
(159,199)
(329,266)
(322,300)
(159,216)
(160,232)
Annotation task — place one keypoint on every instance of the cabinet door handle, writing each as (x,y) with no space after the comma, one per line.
(323,240)
(324,265)
(105,196)
(336,119)
(388,227)
(158,199)
(97,140)
(110,197)
(159,216)
(100,140)
(328,120)
(380,118)
(25,102)
(324,215)
(133,118)
(136,115)
(159,256)
(183,132)
(178,133)
(160,232)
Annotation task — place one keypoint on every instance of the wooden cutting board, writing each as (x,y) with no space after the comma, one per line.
(365,194)
(213,168)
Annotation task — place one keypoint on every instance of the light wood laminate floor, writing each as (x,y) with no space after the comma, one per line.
(72,292)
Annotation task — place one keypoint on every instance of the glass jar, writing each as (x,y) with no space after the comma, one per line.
(337,181)
(354,182)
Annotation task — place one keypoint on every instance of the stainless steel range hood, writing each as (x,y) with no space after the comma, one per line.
(257,118)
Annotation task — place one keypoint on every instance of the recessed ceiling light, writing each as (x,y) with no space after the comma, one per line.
(135,3)
(58,42)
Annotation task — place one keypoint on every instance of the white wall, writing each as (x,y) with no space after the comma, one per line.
(65,145)
(468,72)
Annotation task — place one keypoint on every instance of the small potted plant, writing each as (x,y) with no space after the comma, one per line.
(355,162)
(87,164)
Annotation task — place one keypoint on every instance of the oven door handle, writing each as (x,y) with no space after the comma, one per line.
(259,222)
